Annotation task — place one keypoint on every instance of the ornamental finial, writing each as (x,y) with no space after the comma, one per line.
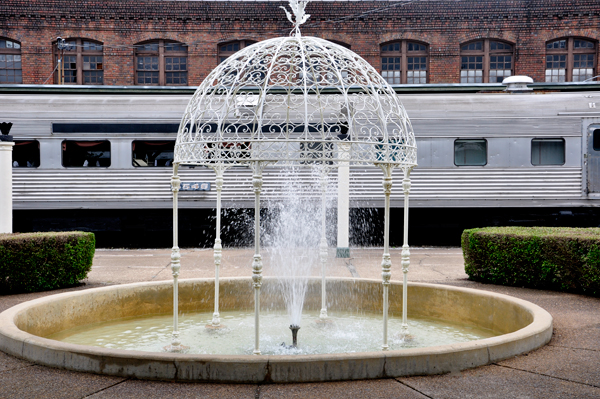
(297,7)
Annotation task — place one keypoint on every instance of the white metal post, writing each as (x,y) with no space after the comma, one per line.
(405,253)
(257,168)
(175,264)
(343,207)
(219,170)
(386,263)
(323,243)
(6,204)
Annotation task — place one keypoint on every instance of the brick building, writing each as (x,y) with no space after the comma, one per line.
(178,42)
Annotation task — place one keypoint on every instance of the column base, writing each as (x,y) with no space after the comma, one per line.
(342,252)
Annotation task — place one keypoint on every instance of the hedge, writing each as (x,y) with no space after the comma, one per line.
(555,258)
(32,262)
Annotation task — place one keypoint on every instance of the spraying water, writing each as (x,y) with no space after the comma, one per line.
(293,237)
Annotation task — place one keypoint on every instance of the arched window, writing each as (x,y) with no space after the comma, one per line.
(485,61)
(570,60)
(230,48)
(161,63)
(82,62)
(10,62)
(404,62)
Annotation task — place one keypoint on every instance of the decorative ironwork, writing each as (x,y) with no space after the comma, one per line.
(293,100)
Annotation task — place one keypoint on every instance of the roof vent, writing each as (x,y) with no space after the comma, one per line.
(518,83)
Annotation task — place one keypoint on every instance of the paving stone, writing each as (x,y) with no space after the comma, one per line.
(38,382)
(131,389)
(499,382)
(8,362)
(578,365)
(380,389)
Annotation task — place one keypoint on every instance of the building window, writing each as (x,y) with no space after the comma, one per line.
(85,154)
(82,62)
(570,60)
(485,61)
(548,152)
(470,152)
(10,62)
(161,63)
(228,49)
(404,62)
(26,154)
(152,153)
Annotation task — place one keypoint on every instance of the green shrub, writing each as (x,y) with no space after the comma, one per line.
(32,262)
(556,258)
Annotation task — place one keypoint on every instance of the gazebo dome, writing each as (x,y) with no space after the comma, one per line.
(295,99)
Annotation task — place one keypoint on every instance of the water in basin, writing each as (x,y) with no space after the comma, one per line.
(346,333)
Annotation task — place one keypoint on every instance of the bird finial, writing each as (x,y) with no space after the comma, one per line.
(297,7)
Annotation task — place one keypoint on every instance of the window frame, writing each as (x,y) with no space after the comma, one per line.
(549,139)
(470,139)
(222,55)
(162,54)
(570,53)
(486,53)
(12,52)
(404,54)
(79,52)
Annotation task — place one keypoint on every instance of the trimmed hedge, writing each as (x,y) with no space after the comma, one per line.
(555,258)
(32,262)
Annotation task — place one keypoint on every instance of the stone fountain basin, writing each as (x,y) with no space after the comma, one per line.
(523,327)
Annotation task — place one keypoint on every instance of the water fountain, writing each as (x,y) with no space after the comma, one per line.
(301,102)
(296,100)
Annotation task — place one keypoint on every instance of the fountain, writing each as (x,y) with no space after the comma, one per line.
(295,101)
(290,102)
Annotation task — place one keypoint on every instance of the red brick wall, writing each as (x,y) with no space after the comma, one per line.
(365,25)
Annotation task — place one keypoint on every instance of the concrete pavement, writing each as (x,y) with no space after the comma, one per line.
(566,368)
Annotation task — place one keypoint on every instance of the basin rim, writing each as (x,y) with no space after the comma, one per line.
(274,368)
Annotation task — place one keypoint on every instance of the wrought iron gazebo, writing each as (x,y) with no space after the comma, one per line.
(294,100)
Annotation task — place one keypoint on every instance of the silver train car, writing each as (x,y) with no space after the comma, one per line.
(98,159)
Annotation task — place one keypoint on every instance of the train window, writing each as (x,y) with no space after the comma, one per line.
(152,153)
(26,154)
(596,140)
(470,152)
(547,152)
(86,154)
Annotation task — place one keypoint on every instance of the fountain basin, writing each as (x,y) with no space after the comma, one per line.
(523,327)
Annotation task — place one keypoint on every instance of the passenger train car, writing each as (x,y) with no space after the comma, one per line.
(99,159)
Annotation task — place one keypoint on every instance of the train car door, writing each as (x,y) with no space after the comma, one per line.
(593,159)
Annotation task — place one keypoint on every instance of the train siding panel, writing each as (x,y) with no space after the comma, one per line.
(114,189)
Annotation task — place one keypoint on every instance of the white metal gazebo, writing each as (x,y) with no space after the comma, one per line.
(294,100)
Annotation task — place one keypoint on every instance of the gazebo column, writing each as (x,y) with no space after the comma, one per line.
(175,265)
(219,171)
(257,169)
(405,253)
(323,243)
(386,263)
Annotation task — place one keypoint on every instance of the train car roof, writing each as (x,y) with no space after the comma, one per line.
(400,89)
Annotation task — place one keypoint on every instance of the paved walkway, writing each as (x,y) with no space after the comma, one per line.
(568,367)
